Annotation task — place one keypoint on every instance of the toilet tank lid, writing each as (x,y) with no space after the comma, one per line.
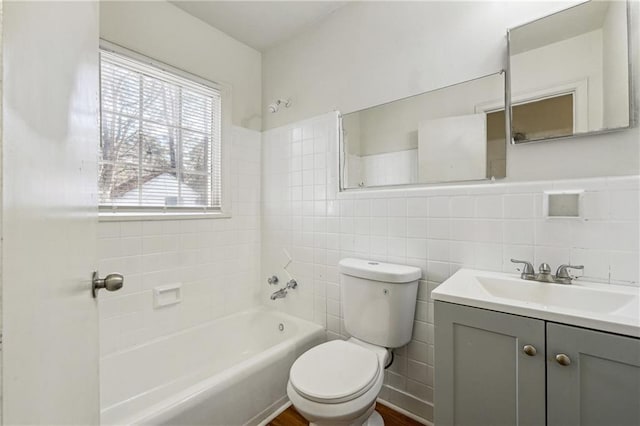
(379,271)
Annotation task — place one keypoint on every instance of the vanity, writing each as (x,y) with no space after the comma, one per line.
(514,352)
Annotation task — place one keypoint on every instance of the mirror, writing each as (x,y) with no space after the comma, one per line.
(456,133)
(569,73)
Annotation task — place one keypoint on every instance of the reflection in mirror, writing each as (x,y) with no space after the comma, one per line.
(456,133)
(570,72)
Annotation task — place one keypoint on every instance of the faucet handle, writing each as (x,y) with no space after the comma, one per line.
(562,270)
(272,280)
(292,284)
(527,271)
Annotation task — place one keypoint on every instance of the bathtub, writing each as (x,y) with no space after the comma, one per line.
(232,371)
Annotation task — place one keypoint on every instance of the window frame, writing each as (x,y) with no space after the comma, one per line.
(127,213)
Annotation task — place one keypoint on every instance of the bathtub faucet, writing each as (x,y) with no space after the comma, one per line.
(279,294)
(283,291)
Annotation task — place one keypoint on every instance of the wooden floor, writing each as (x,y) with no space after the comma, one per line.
(290,417)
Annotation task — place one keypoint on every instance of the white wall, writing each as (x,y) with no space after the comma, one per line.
(368,53)
(166,33)
(439,229)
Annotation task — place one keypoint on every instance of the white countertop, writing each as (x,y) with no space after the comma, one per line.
(611,308)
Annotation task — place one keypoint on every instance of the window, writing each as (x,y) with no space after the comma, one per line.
(161,144)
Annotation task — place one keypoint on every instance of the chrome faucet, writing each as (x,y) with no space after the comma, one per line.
(279,294)
(544,272)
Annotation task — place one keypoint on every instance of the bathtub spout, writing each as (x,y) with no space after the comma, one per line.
(279,294)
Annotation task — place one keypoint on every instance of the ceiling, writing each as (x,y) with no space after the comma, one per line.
(259,24)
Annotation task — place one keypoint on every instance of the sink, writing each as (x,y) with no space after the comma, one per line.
(604,307)
(559,295)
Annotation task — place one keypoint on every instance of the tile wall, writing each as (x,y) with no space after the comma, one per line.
(309,226)
(217,262)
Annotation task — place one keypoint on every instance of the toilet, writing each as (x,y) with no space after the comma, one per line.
(337,383)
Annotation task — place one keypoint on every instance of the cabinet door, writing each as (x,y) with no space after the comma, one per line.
(482,374)
(601,383)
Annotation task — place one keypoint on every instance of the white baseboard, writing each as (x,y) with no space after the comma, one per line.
(282,405)
(405,412)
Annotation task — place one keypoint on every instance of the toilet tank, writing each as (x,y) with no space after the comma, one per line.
(378,300)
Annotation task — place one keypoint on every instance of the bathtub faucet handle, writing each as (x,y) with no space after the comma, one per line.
(292,284)
(272,280)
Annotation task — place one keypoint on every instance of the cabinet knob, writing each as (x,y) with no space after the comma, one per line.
(529,350)
(563,359)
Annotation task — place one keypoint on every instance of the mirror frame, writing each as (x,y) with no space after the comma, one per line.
(632,61)
(507,124)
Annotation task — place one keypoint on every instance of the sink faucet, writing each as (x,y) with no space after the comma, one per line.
(279,294)
(544,272)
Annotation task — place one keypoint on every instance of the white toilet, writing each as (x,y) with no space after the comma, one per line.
(337,383)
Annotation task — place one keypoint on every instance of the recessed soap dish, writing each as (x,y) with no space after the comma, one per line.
(167,295)
(562,204)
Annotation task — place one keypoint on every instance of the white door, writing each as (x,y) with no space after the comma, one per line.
(49,212)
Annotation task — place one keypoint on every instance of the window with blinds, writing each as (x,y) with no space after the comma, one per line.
(160,144)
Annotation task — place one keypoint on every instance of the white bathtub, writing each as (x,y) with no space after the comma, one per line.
(232,371)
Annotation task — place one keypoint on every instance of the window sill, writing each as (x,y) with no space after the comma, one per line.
(107,216)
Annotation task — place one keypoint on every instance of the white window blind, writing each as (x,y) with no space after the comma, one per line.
(160,139)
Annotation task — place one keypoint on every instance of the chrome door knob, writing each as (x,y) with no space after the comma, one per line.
(529,350)
(111,282)
(563,359)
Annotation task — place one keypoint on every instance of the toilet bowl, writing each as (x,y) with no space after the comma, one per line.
(337,383)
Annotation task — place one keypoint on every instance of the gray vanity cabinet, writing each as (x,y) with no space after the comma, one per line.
(488,374)
(483,375)
(601,383)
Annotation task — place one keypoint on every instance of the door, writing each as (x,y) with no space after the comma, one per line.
(49,212)
(593,378)
(489,368)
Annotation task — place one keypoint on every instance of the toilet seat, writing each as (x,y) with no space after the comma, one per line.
(335,372)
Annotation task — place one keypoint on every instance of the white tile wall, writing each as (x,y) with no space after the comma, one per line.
(439,229)
(217,261)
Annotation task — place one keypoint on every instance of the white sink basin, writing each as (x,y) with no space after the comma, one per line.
(600,306)
(559,295)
